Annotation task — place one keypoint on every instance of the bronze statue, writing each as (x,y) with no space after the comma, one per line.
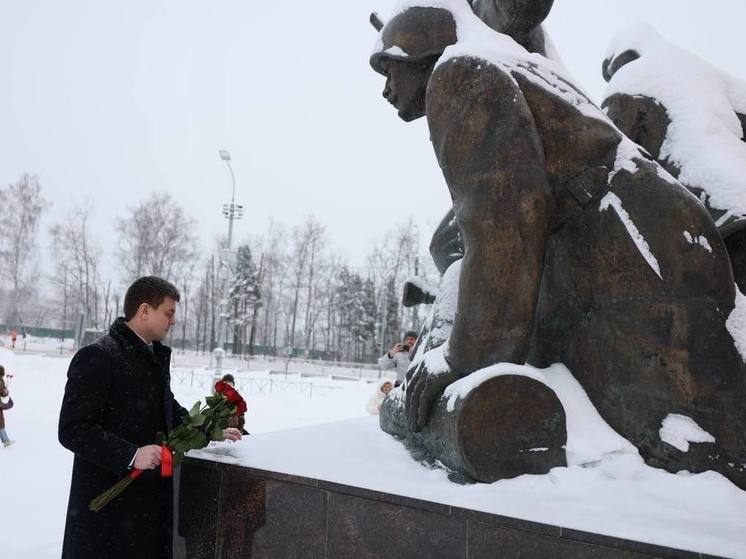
(715,131)
(522,21)
(573,253)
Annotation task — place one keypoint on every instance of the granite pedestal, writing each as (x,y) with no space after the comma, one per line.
(229,511)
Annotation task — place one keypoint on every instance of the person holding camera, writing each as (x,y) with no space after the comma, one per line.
(399,357)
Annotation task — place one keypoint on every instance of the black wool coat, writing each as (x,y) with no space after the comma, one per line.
(117,398)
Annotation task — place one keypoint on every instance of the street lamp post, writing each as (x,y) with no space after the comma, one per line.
(232,212)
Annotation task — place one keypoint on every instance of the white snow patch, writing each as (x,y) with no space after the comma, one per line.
(665,175)
(626,153)
(396,51)
(704,137)
(613,200)
(680,430)
(435,360)
(701,240)
(736,324)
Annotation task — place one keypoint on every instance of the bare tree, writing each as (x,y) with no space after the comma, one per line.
(156,238)
(109,315)
(271,250)
(184,282)
(391,261)
(77,257)
(21,205)
(315,231)
(303,252)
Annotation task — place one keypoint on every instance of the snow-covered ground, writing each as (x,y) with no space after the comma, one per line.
(35,471)
(290,421)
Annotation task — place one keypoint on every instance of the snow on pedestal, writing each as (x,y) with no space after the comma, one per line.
(617,495)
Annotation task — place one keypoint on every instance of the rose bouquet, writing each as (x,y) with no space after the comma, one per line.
(202,425)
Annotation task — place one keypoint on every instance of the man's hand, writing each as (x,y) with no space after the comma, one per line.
(231,434)
(148,457)
(396,348)
(423,389)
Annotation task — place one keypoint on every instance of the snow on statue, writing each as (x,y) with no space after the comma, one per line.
(574,253)
(691,117)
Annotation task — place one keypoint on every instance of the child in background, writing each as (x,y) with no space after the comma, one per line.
(4,405)
(383,387)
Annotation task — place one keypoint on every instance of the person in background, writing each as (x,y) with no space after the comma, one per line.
(399,357)
(4,405)
(383,387)
(227,387)
(13,338)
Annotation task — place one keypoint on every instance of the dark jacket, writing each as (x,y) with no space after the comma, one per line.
(117,399)
(4,407)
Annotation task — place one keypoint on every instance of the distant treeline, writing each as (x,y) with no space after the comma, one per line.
(286,288)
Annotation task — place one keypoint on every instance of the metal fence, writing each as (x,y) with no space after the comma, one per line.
(191,359)
(39,331)
(248,385)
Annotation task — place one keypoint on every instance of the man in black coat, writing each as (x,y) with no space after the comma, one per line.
(117,398)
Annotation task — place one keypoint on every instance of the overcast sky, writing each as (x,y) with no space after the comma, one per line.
(110,100)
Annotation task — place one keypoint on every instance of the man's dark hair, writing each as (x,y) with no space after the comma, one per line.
(149,289)
(229,378)
(410,334)
(2,371)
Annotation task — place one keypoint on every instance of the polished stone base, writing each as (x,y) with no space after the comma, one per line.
(229,511)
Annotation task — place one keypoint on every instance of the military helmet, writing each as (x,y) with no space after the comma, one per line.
(414,34)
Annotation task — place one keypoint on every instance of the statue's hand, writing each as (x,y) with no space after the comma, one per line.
(423,389)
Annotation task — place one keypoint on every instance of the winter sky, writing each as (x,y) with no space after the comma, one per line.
(108,101)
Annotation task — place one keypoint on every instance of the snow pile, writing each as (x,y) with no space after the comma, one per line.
(736,324)
(704,138)
(680,430)
(589,437)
